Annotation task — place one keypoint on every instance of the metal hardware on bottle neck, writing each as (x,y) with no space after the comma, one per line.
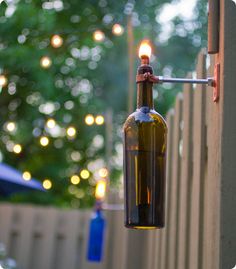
(211,81)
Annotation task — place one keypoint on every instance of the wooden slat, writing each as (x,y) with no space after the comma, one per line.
(47,218)
(157,256)
(212,185)
(134,242)
(185,180)
(123,243)
(199,159)
(66,256)
(227,184)
(174,187)
(151,248)
(162,254)
(6,212)
(111,231)
(213,26)
(118,261)
(24,225)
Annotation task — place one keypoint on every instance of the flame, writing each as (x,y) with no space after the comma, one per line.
(100,189)
(145,49)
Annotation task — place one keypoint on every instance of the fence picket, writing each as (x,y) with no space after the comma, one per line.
(212,184)
(66,254)
(199,160)
(45,238)
(186,174)
(162,255)
(174,187)
(119,241)
(23,229)
(6,212)
(158,238)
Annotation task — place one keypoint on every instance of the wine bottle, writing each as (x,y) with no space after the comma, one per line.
(145,134)
(96,236)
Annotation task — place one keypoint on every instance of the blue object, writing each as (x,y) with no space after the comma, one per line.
(11,181)
(96,237)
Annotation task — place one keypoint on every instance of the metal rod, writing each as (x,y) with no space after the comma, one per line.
(208,81)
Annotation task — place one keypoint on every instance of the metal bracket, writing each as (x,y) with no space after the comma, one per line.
(216,83)
(213,82)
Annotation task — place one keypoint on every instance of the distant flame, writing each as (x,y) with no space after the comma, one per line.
(100,189)
(145,49)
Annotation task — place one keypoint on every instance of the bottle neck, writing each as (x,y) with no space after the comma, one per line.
(144,95)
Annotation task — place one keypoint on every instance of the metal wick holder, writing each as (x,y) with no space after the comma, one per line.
(211,81)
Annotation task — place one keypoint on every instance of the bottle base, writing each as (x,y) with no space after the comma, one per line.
(143,227)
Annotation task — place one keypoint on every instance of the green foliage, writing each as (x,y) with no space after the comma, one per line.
(86,77)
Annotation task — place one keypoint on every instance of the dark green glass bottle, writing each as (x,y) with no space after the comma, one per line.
(145,133)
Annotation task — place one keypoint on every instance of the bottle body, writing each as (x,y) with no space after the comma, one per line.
(145,134)
(96,237)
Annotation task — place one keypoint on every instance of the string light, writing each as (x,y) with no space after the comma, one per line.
(89,119)
(47,184)
(72,189)
(45,62)
(100,190)
(26,175)
(75,179)
(99,120)
(103,172)
(98,36)
(56,41)
(79,194)
(3,81)
(51,123)
(84,174)
(117,29)
(44,141)
(71,131)
(17,148)
(11,126)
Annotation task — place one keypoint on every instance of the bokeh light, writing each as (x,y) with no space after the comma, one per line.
(56,41)
(51,123)
(84,174)
(17,148)
(98,36)
(99,120)
(3,81)
(71,131)
(11,126)
(45,62)
(79,194)
(89,119)
(117,29)
(47,184)
(103,172)
(75,179)
(26,175)
(44,141)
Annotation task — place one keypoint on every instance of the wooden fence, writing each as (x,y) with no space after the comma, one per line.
(200,230)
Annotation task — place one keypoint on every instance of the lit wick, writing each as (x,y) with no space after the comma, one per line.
(144,70)
(145,52)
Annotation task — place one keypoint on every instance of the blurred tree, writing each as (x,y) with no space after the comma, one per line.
(59,69)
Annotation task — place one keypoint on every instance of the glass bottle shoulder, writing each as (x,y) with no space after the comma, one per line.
(145,116)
